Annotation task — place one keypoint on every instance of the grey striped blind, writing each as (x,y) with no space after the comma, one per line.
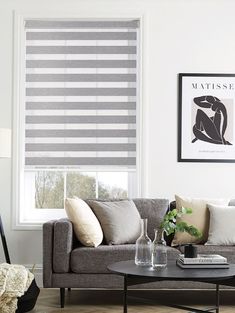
(81,93)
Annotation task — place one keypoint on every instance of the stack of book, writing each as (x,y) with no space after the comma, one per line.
(203,261)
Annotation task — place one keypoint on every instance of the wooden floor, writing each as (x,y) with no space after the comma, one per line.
(100,301)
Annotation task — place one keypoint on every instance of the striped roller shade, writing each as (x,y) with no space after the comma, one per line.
(81,93)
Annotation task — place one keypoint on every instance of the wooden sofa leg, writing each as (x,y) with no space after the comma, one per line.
(62,296)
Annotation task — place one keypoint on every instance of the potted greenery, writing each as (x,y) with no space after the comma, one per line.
(169,226)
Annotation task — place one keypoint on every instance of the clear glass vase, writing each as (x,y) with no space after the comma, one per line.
(159,250)
(143,247)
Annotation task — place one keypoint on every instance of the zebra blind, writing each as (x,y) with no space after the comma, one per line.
(81,93)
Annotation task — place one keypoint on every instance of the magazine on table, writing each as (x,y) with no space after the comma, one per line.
(204,259)
(202,265)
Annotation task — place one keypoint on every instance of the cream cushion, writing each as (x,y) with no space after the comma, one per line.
(221,230)
(86,226)
(199,218)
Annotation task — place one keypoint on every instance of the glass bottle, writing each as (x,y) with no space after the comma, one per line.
(159,250)
(143,246)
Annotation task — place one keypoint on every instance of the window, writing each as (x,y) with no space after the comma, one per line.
(78,113)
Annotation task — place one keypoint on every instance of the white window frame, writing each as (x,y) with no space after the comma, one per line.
(20,220)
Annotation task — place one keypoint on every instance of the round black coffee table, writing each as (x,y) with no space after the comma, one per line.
(134,275)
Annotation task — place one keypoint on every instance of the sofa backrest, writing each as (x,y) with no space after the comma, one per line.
(152,209)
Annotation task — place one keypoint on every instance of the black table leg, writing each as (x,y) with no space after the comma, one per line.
(62,295)
(217,298)
(125,295)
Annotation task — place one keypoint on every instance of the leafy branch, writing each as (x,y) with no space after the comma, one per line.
(170,224)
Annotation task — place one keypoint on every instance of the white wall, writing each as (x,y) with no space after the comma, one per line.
(178,36)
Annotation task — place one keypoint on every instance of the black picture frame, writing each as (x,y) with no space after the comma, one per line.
(202,135)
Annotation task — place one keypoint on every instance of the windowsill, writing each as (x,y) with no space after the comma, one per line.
(28,226)
(37,217)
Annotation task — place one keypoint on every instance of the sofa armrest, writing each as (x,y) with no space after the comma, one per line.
(57,246)
(62,245)
(48,235)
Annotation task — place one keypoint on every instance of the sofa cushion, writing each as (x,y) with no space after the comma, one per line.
(221,230)
(199,218)
(85,224)
(120,220)
(96,260)
(154,210)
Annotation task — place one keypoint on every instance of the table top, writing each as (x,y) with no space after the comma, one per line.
(171,271)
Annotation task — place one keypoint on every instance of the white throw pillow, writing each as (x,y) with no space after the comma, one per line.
(86,226)
(199,218)
(221,230)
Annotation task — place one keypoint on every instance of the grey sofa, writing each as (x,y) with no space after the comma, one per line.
(68,264)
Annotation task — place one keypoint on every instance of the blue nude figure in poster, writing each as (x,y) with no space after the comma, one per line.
(207,128)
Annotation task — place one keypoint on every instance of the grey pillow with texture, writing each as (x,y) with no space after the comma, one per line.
(120,220)
(154,210)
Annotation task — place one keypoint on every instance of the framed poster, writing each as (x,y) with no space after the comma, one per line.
(206,120)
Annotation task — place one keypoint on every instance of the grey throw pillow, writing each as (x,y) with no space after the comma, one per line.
(120,220)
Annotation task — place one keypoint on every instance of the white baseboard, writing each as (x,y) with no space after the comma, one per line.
(37,271)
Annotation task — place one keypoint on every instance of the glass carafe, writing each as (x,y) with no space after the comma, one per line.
(159,250)
(143,247)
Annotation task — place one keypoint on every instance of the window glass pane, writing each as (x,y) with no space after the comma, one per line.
(49,190)
(82,185)
(112,185)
